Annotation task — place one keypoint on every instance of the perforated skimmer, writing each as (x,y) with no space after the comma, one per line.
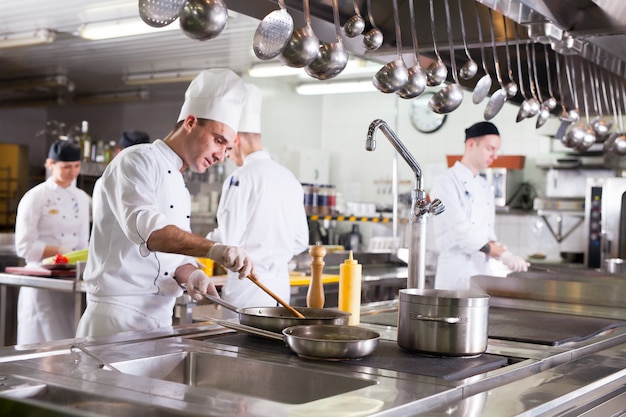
(159,13)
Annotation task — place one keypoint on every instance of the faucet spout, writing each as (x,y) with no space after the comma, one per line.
(370,145)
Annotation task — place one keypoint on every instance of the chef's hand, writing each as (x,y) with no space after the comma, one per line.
(514,262)
(232,257)
(199,284)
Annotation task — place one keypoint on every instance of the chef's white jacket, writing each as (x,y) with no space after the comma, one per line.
(465,226)
(48,214)
(262,210)
(129,287)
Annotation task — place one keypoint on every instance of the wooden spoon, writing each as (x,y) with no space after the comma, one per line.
(276,297)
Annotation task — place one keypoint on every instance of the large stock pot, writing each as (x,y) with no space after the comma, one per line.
(442,322)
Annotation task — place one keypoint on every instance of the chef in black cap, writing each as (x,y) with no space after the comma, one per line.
(464,233)
(52,218)
(130,138)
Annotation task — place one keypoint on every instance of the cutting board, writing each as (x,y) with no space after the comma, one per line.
(40,272)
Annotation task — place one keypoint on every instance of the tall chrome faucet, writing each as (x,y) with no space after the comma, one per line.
(421,209)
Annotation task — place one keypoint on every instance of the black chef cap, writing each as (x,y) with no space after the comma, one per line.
(481,129)
(133,137)
(65,151)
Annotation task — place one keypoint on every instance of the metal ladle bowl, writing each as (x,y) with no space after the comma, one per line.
(601,128)
(447,99)
(575,136)
(589,138)
(468,70)
(203,19)
(416,83)
(355,25)
(529,108)
(436,73)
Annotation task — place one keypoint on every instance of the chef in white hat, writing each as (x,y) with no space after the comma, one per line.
(142,252)
(262,210)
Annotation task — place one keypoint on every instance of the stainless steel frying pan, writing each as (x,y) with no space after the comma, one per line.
(319,341)
(275,319)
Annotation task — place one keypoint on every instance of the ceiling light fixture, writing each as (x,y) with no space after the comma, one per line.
(341,87)
(38,37)
(36,83)
(119,28)
(160,77)
(355,66)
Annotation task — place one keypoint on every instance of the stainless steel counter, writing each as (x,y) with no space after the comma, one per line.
(185,371)
(7,304)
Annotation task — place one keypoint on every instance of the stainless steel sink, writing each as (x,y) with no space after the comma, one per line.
(20,396)
(266,380)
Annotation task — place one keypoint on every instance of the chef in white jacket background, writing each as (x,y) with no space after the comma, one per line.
(52,218)
(262,210)
(464,233)
(142,251)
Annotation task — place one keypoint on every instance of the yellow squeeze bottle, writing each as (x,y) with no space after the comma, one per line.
(350,272)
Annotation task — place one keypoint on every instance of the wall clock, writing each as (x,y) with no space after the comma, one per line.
(423,118)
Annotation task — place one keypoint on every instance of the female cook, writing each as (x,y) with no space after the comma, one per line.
(52,218)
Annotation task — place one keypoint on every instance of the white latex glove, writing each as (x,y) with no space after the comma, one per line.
(232,257)
(513,262)
(199,284)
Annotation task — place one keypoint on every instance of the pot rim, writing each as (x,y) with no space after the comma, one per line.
(444,297)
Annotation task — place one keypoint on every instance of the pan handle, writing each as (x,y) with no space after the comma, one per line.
(449,320)
(222,302)
(248,329)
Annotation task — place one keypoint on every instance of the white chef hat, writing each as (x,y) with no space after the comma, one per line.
(250,121)
(216,94)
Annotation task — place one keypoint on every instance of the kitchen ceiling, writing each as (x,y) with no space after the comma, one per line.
(593,29)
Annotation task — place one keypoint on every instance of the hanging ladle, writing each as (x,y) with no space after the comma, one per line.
(497,99)
(566,117)
(550,103)
(355,25)
(618,139)
(373,38)
(529,107)
(522,113)
(599,125)
(481,90)
(303,46)
(575,135)
(394,74)
(589,136)
(470,68)
(449,98)
(332,57)
(416,83)
(437,72)
(511,86)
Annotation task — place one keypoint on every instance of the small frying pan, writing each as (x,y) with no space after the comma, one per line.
(319,341)
(275,319)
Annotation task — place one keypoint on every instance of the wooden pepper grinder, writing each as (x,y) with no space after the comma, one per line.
(315,294)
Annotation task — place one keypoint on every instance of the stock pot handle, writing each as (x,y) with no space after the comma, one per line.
(450,320)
